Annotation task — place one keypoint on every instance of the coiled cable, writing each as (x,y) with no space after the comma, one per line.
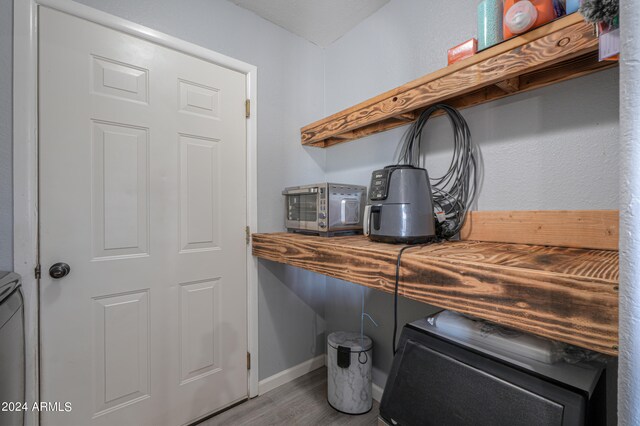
(455,190)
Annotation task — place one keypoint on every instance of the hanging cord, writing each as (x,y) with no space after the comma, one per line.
(395,291)
(395,294)
(454,191)
(362,317)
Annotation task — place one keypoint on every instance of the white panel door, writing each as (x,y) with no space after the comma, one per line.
(143,195)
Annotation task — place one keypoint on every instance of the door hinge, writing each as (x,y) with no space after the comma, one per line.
(247,108)
(248,361)
(37,271)
(247,235)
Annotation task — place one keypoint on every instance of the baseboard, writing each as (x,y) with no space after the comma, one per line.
(376,391)
(290,374)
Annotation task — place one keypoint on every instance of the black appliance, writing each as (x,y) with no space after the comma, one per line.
(438,381)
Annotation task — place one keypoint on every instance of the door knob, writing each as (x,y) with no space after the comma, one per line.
(59,270)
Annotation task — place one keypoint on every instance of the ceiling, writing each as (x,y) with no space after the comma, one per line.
(320,21)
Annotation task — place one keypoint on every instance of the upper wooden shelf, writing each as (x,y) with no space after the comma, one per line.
(561,50)
(566,294)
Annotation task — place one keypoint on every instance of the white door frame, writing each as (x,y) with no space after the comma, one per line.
(25,165)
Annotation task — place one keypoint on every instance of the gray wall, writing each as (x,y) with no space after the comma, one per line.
(553,148)
(343,311)
(6,151)
(290,81)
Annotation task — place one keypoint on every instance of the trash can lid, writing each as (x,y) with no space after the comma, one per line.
(349,339)
(9,281)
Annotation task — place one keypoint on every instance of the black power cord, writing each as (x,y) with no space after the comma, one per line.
(395,291)
(395,298)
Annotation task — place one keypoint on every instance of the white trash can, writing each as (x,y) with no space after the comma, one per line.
(349,372)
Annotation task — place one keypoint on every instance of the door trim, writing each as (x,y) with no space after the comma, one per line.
(25,165)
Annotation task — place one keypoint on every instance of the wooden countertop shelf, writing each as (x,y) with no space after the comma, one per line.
(561,50)
(567,294)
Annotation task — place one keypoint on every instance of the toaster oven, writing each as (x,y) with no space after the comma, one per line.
(325,209)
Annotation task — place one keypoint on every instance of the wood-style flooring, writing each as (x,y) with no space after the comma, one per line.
(300,402)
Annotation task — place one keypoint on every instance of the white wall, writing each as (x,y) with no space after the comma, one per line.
(553,148)
(290,82)
(629,383)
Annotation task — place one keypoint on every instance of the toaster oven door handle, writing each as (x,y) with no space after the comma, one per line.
(298,191)
(366,223)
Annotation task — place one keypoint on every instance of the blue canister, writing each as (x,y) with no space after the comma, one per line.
(489,23)
(572,6)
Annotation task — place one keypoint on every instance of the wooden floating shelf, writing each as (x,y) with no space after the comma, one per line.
(594,229)
(561,50)
(566,294)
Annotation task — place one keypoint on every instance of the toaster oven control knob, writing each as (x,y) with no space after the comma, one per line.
(322,225)
(322,215)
